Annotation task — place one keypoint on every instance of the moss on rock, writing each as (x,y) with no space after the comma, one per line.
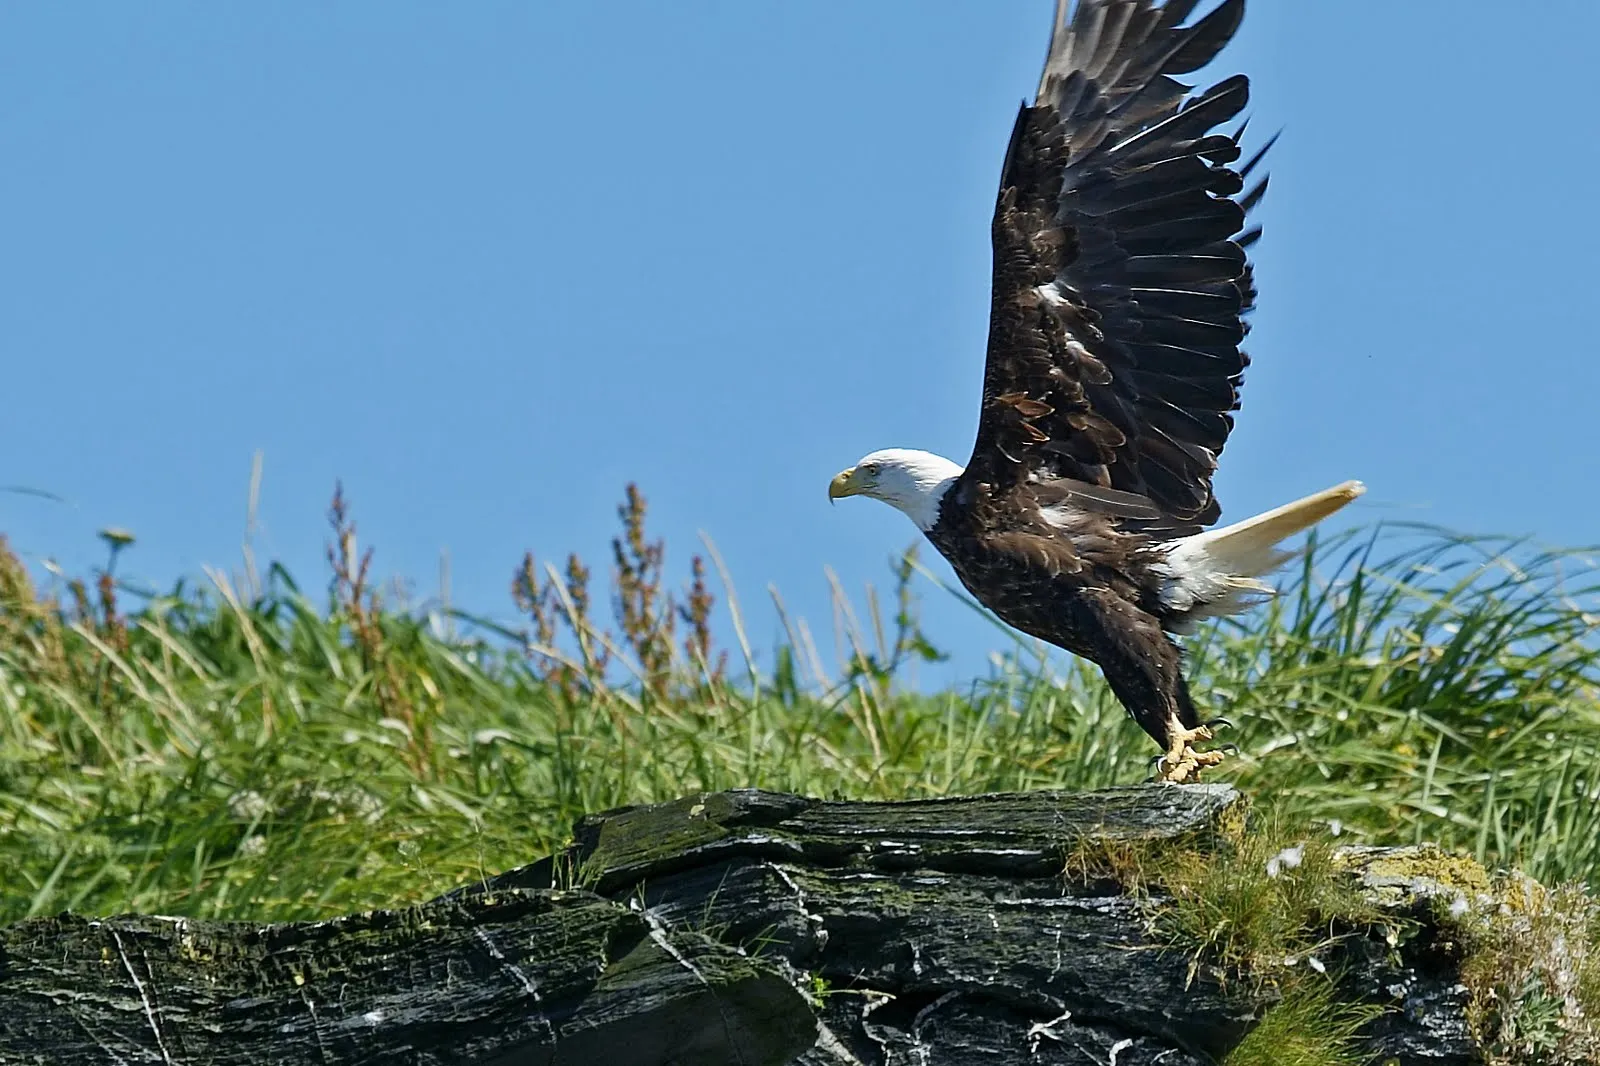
(1399,876)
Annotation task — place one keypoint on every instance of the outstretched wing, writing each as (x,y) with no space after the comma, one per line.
(1120,276)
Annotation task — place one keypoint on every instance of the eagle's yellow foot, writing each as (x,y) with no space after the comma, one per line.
(1181,761)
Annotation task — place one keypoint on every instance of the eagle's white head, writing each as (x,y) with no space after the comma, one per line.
(913,481)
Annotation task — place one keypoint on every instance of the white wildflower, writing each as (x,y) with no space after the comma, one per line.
(1316,964)
(1287,859)
(368,808)
(1459,906)
(1335,827)
(247,806)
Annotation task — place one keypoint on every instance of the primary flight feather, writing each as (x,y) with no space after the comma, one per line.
(1121,282)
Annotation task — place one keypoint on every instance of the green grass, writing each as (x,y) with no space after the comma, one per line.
(1308,1027)
(241,748)
(1259,904)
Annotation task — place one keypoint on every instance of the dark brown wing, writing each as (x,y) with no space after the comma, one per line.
(1120,277)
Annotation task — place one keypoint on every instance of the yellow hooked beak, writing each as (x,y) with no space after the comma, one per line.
(845,483)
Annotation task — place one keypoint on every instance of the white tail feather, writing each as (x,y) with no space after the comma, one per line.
(1215,572)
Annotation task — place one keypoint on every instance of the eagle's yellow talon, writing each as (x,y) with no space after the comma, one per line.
(1181,761)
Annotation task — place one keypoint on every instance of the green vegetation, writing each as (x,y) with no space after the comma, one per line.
(1272,905)
(1309,1026)
(246,749)
(1533,971)
(1255,898)
(1265,903)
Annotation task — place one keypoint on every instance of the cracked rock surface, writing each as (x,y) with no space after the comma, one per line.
(744,927)
(532,978)
(940,932)
(943,932)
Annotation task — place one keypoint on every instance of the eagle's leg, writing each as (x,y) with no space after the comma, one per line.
(1144,667)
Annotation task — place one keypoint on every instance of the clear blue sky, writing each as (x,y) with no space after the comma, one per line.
(488,262)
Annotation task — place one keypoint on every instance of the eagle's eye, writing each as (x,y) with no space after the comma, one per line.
(871,468)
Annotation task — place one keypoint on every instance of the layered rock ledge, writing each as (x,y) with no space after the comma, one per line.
(741,927)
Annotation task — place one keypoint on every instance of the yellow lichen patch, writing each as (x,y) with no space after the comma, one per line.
(1422,870)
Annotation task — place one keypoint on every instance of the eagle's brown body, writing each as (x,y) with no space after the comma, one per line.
(1088,587)
(1114,365)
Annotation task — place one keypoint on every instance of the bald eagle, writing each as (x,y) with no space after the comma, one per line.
(1120,288)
